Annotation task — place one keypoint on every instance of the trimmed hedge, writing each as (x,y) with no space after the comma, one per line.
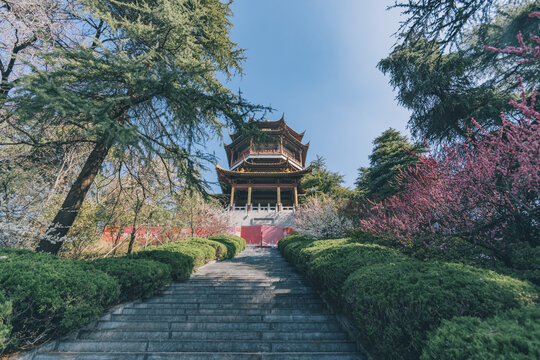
(396,300)
(199,244)
(235,244)
(335,264)
(5,322)
(395,305)
(188,254)
(220,250)
(524,263)
(181,264)
(43,296)
(51,296)
(513,334)
(137,277)
(200,254)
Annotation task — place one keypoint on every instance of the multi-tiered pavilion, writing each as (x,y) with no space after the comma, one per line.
(265,174)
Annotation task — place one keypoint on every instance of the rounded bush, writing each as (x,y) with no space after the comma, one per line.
(239,240)
(51,296)
(291,247)
(395,305)
(514,334)
(332,263)
(181,265)
(232,248)
(197,252)
(235,244)
(220,250)
(137,277)
(200,244)
(289,239)
(5,320)
(526,262)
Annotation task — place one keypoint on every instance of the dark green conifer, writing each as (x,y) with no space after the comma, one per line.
(149,81)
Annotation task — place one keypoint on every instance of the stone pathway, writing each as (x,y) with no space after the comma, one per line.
(254,306)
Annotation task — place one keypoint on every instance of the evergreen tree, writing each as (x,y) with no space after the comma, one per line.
(446,87)
(392,153)
(446,20)
(147,82)
(323,182)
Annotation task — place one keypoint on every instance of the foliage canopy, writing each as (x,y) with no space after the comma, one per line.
(145,82)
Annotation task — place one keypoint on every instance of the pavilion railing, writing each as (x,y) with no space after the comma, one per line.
(260,208)
(273,151)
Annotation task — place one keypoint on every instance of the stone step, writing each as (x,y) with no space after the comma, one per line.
(205,346)
(180,295)
(228,277)
(200,356)
(299,300)
(231,292)
(253,307)
(211,335)
(219,312)
(203,281)
(216,326)
(234,285)
(276,326)
(316,305)
(224,318)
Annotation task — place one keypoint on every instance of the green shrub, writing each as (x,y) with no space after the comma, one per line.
(514,334)
(332,263)
(51,296)
(235,244)
(5,320)
(200,244)
(239,240)
(523,262)
(526,262)
(394,299)
(137,277)
(220,250)
(232,248)
(182,256)
(181,264)
(289,239)
(198,253)
(18,252)
(291,246)
(395,305)
(366,237)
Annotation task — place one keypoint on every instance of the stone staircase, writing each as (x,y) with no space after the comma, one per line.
(251,307)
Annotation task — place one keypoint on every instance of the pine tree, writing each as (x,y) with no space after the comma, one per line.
(148,82)
(445,86)
(392,153)
(323,182)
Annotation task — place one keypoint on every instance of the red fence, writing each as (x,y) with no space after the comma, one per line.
(153,234)
(257,235)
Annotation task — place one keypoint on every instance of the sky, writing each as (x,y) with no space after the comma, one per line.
(315,61)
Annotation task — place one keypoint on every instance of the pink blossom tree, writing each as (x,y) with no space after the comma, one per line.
(485,190)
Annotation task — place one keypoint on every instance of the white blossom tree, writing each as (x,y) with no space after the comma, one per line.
(322,218)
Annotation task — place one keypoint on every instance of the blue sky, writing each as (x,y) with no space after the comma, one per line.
(315,61)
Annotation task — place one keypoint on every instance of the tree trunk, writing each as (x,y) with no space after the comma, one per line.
(72,204)
(138,206)
(131,241)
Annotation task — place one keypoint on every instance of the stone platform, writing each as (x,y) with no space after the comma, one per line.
(284,218)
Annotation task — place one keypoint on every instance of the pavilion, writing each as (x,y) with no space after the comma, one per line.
(265,175)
